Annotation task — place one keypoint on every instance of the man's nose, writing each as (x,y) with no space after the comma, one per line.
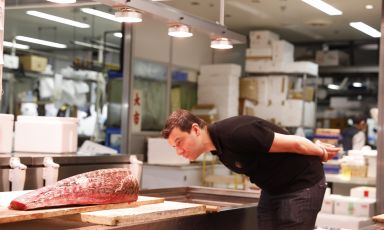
(179,150)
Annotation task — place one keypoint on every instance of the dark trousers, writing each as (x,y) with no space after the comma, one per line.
(296,210)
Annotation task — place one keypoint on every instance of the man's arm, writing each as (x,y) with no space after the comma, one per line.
(301,145)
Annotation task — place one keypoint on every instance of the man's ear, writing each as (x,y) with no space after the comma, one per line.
(196,128)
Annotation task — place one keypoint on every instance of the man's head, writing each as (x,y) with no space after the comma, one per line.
(184,131)
(359,121)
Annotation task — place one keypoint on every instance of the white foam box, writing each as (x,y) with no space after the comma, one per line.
(45,134)
(283,51)
(363,192)
(364,207)
(11,61)
(332,221)
(263,66)
(332,58)
(344,205)
(6,132)
(302,67)
(221,69)
(277,89)
(260,52)
(329,203)
(262,37)
(293,113)
(160,152)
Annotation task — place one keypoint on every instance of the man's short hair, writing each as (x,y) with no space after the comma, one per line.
(183,120)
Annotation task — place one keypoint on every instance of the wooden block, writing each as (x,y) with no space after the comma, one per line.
(9,215)
(145,213)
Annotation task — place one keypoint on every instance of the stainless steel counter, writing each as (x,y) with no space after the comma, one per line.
(70,164)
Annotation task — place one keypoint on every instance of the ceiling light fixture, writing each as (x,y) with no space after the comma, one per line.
(100,14)
(323,6)
(15,45)
(62,1)
(333,86)
(361,26)
(180,31)
(357,84)
(118,34)
(369,7)
(41,42)
(221,43)
(57,19)
(125,14)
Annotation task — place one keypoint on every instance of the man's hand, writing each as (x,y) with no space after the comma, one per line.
(329,151)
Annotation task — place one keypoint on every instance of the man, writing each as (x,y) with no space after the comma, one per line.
(287,168)
(353,137)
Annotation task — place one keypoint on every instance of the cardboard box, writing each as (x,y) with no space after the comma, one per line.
(255,89)
(332,58)
(34,63)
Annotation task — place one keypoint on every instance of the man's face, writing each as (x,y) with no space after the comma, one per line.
(187,144)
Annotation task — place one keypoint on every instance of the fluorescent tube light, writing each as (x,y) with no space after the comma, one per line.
(180,31)
(366,29)
(323,6)
(57,19)
(101,14)
(41,42)
(118,34)
(62,1)
(357,84)
(333,86)
(17,46)
(221,43)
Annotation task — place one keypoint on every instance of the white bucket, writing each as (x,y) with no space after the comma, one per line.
(6,132)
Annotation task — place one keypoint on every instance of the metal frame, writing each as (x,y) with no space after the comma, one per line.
(175,15)
(380,136)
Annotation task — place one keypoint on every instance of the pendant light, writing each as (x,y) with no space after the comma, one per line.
(128,15)
(221,42)
(180,31)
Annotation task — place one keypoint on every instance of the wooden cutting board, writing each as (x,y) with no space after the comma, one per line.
(8,215)
(145,213)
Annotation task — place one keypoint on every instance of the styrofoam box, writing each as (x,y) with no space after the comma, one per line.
(221,69)
(11,62)
(161,152)
(259,52)
(263,66)
(45,134)
(364,207)
(363,192)
(329,203)
(344,205)
(283,51)
(262,37)
(333,221)
(6,132)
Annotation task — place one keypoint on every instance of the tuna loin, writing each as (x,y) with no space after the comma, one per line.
(104,186)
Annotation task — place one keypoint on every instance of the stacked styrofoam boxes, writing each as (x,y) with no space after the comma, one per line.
(2,15)
(269,54)
(218,84)
(45,134)
(361,202)
(6,133)
(160,152)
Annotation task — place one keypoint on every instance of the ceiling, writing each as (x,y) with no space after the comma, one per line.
(293,20)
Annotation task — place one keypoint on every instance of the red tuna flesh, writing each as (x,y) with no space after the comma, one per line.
(104,186)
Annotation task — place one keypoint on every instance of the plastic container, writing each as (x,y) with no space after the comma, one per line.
(6,132)
(45,134)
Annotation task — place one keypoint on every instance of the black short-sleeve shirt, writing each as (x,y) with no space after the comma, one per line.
(242,144)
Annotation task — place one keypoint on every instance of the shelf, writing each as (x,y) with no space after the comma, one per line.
(336,178)
(348,69)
